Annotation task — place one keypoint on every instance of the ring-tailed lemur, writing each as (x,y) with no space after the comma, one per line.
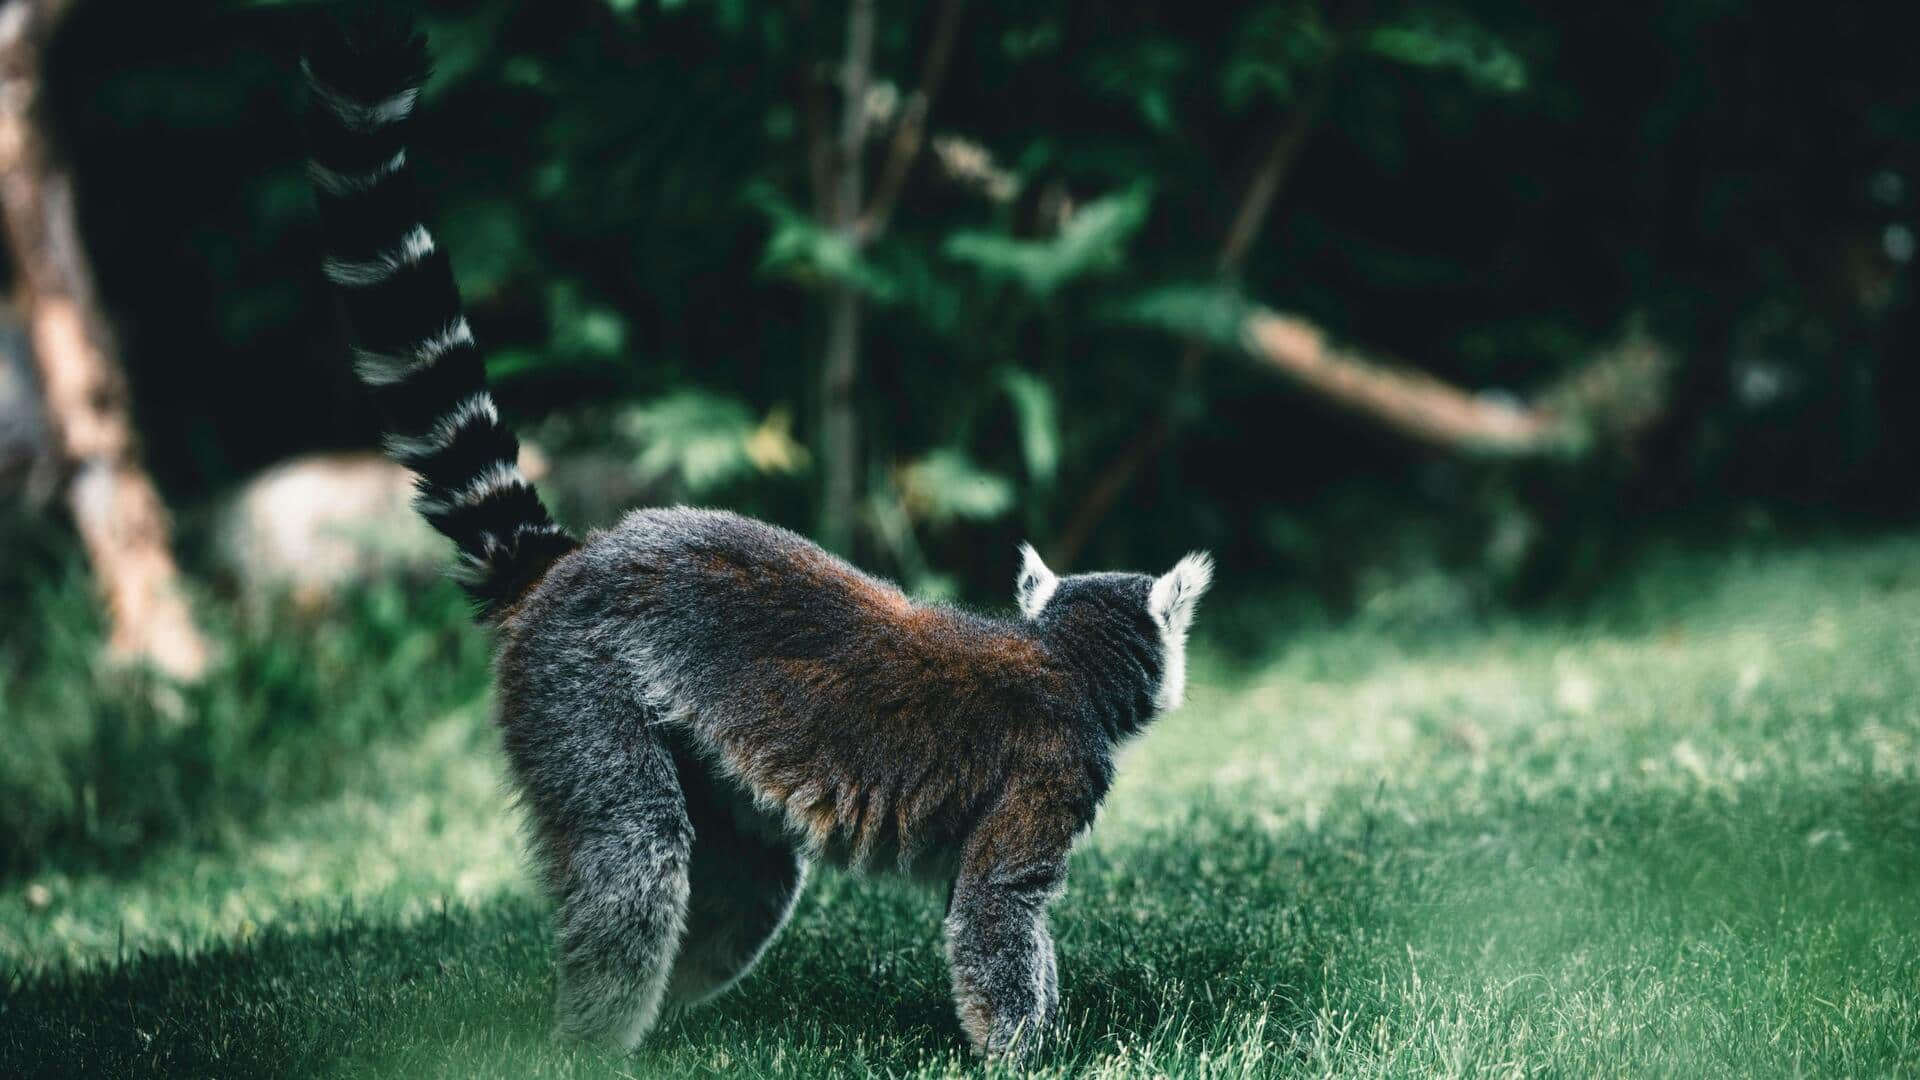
(697,705)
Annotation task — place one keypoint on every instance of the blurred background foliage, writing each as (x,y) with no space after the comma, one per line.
(1492,192)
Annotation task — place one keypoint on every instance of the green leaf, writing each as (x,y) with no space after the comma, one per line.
(1038,420)
(1144,73)
(1452,42)
(946,486)
(1093,241)
(705,441)
(581,328)
(805,251)
(1276,45)
(1210,312)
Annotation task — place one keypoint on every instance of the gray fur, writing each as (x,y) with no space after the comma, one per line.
(696,705)
(678,779)
(1006,986)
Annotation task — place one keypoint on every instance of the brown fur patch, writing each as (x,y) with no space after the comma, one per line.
(976,1019)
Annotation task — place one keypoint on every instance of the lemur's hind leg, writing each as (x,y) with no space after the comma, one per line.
(621,877)
(745,884)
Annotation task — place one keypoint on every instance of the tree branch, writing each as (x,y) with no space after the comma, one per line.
(1263,189)
(1403,399)
(1267,180)
(816,118)
(1605,402)
(911,129)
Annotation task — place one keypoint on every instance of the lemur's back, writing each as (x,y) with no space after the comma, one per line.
(839,701)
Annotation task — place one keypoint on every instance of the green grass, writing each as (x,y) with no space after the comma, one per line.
(1676,834)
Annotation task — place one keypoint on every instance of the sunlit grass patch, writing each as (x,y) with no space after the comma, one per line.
(1676,834)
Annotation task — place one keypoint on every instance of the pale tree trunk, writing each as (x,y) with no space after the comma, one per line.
(115,507)
(839,408)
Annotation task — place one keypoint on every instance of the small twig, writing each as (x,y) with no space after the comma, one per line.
(909,132)
(1263,189)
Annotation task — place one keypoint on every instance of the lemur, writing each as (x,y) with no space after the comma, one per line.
(696,706)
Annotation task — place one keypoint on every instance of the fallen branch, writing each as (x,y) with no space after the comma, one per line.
(1404,399)
(1603,404)
(115,506)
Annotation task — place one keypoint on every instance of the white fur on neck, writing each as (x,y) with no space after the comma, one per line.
(1173,675)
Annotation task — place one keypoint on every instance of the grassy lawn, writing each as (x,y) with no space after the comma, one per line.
(1675,834)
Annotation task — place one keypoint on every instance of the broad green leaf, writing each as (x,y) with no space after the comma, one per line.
(1144,73)
(1035,410)
(704,441)
(946,486)
(1093,241)
(1209,312)
(1277,45)
(1449,42)
(801,249)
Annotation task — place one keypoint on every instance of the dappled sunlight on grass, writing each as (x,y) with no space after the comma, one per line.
(433,826)
(1657,837)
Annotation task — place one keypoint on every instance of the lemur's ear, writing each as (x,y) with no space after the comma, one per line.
(1177,592)
(1035,585)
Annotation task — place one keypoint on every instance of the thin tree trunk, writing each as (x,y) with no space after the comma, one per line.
(1262,190)
(838,182)
(840,421)
(115,506)
(839,406)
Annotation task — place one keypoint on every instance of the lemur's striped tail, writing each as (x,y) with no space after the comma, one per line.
(411,343)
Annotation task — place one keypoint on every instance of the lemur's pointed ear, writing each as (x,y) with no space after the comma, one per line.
(1035,585)
(1177,592)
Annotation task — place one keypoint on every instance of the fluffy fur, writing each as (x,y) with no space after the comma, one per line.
(411,343)
(696,706)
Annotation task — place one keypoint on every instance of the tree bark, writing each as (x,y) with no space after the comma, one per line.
(835,168)
(839,407)
(115,507)
(1403,399)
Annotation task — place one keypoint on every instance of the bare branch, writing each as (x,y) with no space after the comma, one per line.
(910,130)
(1274,169)
(856,72)
(1263,189)
(1604,403)
(1403,399)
